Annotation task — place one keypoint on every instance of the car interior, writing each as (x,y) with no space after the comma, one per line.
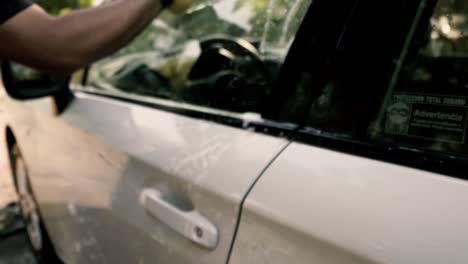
(218,64)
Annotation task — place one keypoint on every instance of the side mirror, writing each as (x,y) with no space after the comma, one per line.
(24,83)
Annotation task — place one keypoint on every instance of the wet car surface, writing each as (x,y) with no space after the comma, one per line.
(140,151)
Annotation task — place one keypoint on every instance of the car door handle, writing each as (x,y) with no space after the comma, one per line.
(190,224)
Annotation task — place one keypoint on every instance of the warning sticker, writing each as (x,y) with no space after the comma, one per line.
(435,117)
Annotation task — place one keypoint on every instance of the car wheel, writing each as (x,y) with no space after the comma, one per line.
(38,238)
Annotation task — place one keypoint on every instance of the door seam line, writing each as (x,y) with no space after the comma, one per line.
(241,206)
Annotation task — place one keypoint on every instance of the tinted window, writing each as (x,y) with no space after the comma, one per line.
(225,54)
(398,75)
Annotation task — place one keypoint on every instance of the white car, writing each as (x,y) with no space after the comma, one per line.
(254,132)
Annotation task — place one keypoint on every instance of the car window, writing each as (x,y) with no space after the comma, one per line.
(220,54)
(398,76)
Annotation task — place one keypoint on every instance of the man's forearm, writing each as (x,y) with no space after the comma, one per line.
(71,41)
(95,33)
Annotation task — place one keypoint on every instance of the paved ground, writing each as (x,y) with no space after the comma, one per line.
(14,249)
(14,246)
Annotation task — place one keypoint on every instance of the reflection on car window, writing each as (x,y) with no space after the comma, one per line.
(411,85)
(222,54)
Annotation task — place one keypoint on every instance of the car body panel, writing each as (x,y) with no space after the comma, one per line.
(89,165)
(319,206)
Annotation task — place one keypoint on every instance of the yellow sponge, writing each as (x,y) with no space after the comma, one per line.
(180,6)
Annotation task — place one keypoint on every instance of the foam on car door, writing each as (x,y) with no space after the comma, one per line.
(195,165)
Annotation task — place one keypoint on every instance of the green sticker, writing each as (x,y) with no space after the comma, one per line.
(434,117)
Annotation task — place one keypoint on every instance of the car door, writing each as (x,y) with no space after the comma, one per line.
(378,172)
(150,159)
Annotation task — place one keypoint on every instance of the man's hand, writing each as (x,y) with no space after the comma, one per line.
(67,43)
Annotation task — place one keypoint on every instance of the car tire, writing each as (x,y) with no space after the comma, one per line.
(39,240)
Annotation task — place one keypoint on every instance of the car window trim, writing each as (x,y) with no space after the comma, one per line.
(247,121)
(444,163)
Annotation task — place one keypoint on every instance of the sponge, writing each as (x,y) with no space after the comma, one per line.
(180,6)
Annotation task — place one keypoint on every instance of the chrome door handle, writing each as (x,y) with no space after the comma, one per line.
(190,224)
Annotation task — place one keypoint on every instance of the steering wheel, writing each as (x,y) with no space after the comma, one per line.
(229,75)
